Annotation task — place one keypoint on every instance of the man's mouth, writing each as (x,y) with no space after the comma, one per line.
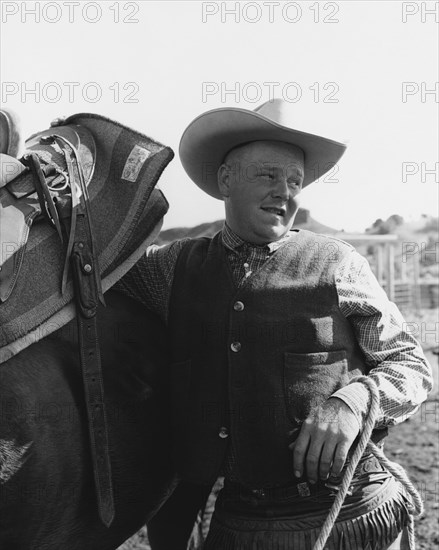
(275,210)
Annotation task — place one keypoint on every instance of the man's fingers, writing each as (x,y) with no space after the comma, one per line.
(313,459)
(324,441)
(326,460)
(341,453)
(300,448)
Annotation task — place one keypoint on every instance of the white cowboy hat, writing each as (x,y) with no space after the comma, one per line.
(210,136)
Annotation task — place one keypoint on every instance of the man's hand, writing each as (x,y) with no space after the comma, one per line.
(324,440)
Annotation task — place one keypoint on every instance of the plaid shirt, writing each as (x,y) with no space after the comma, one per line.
(399,367)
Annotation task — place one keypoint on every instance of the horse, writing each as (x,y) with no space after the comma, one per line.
(47,491)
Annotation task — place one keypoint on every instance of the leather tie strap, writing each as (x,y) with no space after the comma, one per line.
(76,217)
(86,296)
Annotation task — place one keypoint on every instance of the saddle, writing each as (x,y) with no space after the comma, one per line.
(120,169)
(78,214)
(49,188)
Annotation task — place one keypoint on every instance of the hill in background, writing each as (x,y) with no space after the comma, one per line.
(303,220)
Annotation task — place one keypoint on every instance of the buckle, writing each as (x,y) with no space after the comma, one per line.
(303,489)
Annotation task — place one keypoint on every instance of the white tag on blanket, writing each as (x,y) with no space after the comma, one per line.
(134,163)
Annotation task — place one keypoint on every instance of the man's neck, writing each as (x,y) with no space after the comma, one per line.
(233,240)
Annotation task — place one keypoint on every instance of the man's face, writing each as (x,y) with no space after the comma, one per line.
(260,182)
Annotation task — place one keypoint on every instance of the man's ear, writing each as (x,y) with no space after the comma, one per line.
(224,180)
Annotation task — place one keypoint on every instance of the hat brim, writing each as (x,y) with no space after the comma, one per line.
(209,137)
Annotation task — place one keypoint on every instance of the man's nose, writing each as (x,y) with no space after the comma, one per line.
(280,189)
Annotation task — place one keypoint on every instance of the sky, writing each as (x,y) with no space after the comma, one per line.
(365,73)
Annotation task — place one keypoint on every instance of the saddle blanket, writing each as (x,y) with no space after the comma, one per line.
(126,211)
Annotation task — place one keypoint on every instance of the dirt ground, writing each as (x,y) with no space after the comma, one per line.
(414,444)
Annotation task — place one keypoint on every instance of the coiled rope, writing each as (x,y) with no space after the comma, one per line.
(395,469)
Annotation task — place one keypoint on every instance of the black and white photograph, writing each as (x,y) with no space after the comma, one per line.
(219,275)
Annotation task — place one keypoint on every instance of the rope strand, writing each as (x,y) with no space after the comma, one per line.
(395,469)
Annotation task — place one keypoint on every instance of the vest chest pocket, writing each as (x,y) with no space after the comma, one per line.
(310,379)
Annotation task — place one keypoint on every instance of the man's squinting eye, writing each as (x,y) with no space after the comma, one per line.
(267,175)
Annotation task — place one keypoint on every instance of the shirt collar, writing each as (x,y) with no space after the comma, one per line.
(233,242)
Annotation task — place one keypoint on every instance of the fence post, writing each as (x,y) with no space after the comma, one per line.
(390,271)
(416,287)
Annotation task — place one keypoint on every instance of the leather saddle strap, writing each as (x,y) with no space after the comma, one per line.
(88,293)
(47,205)
(87,297)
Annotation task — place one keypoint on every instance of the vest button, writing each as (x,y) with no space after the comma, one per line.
(223,433)
(236,346)
(258,493)
(238,306)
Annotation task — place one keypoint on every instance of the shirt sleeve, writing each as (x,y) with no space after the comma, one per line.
(396,361)
(150,280)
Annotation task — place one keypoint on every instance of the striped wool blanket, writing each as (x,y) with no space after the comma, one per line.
(127,212)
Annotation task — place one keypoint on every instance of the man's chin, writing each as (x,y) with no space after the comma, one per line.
(273,234)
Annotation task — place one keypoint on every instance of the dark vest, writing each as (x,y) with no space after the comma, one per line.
(249,364)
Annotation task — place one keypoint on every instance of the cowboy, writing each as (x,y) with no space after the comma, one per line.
(269,327)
